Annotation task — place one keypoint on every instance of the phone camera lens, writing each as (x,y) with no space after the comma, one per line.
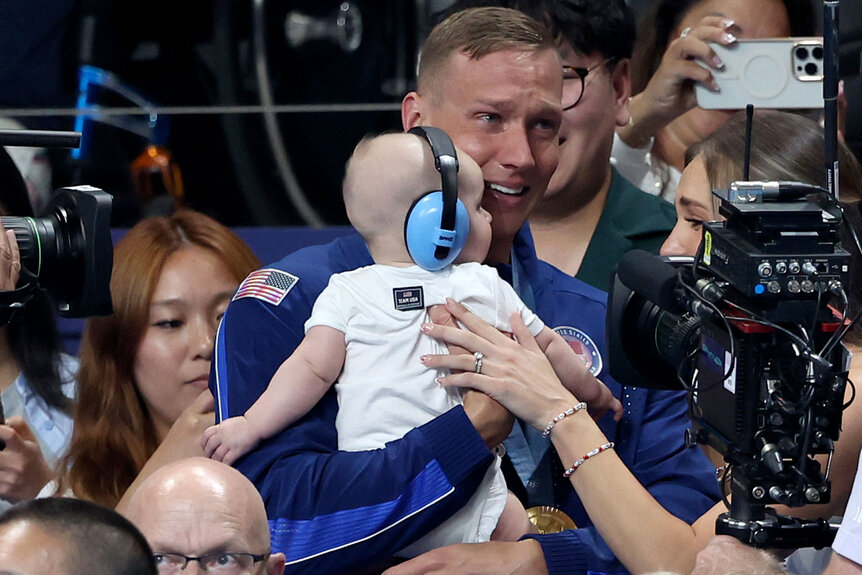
(811,69)
(802,53)
(817,53)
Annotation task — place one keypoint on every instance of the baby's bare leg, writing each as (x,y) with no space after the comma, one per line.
(513,523)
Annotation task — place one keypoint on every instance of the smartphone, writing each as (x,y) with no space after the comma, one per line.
(781,73)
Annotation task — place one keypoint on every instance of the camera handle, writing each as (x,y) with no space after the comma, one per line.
(12,302)
(776,531)
(40,138)
(755,524)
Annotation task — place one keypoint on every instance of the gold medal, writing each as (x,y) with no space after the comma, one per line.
(549,519)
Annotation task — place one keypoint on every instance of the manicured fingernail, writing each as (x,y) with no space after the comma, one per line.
(716,61)
(424,359)
(438,381)
(426,327)
(728,38)
(728,23)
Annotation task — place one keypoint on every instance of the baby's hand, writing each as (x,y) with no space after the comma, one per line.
(602,401)
(229,440)
(576,377)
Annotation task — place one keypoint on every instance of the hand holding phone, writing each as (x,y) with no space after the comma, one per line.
(687,61)
(778,73)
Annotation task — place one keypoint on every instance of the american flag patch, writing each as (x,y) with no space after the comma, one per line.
(269,285)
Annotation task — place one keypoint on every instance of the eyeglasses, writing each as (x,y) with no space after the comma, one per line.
(220,563)
(574,80)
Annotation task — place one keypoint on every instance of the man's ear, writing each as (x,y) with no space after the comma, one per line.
(275,564)
(411,111)
(622,91)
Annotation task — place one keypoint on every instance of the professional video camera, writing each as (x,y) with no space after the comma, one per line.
(748,328)
(68,250)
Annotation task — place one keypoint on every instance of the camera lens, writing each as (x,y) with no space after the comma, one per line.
(817,53)
(811,69)
(802,53)
(31,234)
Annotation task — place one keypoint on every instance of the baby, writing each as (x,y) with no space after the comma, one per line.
(364,334)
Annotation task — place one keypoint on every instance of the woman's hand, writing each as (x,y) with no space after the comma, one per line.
(10,260)
(493,421)
(670,91)
(186,434)
(514,372)
(182,441)
(23,469)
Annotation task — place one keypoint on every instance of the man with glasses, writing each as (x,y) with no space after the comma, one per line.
(590,215)
(201,516)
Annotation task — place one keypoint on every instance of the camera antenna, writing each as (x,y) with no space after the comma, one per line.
(830,94)
(746,164)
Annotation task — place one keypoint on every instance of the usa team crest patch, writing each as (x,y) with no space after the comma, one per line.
(268,285)
(584,346)
(408,298)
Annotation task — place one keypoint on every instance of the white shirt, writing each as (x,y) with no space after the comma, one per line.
(642,168)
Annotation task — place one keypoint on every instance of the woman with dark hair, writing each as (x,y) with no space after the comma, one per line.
(673,42)
(37,380)
(142,396)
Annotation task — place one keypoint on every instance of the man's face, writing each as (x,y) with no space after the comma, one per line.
(587,130)
(504,111)
(196,524)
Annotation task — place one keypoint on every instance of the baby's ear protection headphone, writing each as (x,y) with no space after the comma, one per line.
(437,224)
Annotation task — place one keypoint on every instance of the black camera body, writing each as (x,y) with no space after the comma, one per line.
(746,327)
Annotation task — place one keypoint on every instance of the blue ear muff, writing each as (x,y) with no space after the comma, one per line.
(424,235)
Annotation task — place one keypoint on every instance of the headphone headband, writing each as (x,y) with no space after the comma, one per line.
(446,162)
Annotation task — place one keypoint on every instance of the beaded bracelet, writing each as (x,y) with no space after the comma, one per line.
(593,453)
(556,420)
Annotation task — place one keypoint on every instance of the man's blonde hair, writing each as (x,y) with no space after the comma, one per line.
(477,32)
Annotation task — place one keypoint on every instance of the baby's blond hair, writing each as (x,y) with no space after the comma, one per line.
(385,175)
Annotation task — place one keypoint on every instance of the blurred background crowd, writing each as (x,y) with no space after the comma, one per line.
(245,110)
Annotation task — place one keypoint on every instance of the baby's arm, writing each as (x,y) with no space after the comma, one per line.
(574,374)
(300,382)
